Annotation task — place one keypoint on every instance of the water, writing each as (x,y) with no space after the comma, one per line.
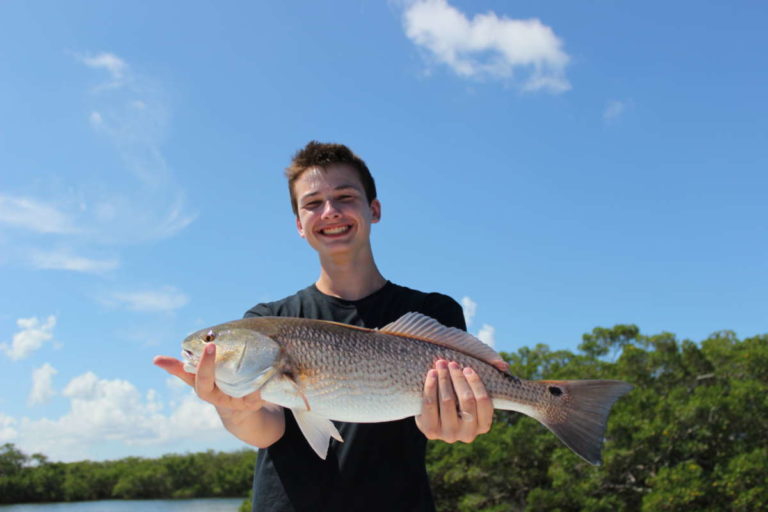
(198,505)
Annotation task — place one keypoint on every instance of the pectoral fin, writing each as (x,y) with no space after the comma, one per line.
(317,430)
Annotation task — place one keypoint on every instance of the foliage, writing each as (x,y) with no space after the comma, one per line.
(247,503)
(200,475)
(690,436)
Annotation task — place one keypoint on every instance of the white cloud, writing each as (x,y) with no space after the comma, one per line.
(470,308)
(487,335)
(113,411)
(7,431)
(42,385)
(30,338)
(165,299)
(34,215)
(174,383)
(488,45)
(65,260)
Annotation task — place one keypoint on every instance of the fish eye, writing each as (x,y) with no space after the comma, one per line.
(209,337)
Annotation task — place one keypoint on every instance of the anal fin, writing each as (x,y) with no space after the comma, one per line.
(317,430)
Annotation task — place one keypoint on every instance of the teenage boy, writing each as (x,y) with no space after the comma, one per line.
(379,466)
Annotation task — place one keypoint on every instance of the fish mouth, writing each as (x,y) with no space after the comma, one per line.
(190,359)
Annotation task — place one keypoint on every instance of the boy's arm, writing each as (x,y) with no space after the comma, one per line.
(249,418)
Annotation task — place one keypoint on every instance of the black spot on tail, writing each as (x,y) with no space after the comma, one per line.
(580,422)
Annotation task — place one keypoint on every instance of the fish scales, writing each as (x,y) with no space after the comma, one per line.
(352,365)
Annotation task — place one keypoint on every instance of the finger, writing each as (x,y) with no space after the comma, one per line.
(468,410)
(501,364)
(205,384)
(174,367)
(483,402)
(449,420)
(428,421)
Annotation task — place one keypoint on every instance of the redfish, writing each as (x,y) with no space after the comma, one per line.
(325,371)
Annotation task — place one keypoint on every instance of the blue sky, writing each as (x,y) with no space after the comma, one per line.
(555,166)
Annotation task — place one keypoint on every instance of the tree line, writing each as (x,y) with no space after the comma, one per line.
(210,474)
(691,435)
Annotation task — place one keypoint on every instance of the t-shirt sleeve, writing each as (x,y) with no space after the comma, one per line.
(262,309)
(445,310)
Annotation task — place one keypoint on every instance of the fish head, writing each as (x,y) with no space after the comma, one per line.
(245,358)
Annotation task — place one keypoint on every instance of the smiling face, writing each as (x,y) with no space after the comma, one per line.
(334,215)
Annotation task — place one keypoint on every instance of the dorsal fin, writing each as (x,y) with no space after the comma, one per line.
(423,327)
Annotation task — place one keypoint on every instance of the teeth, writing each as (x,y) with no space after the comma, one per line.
(335,231)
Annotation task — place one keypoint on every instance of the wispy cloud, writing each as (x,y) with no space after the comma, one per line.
(615,109)
(66,260)
(42,385)
(139,201)
(34,215)
(130,111)
(114,65)
(488,45)
(30,338)
(95,119)
(164,299)
(113,411)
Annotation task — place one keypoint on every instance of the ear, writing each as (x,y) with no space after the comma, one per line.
(299,227)
(375,211)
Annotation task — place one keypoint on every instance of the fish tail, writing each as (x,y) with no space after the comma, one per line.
(576,411)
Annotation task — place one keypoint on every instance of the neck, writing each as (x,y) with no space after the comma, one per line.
(349,280)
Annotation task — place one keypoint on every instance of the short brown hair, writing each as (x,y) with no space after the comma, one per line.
(324,154)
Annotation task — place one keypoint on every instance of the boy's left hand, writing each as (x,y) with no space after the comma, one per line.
(456,405)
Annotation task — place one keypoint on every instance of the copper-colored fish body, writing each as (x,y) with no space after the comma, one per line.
(328,371)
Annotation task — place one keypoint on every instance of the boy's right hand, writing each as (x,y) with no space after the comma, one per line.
(204,382)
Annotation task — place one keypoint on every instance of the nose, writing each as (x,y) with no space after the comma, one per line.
(330,210)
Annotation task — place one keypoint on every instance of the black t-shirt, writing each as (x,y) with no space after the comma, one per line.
(379,466)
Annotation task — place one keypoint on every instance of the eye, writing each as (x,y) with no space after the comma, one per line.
(209,337)
(311,205)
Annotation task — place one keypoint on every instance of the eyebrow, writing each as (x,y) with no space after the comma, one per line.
(340,187)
